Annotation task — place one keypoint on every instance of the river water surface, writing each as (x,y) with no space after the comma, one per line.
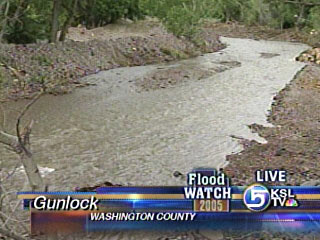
(115,132)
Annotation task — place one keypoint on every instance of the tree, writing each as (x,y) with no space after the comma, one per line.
(55,20)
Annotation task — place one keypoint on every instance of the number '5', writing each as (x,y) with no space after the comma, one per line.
(258,194)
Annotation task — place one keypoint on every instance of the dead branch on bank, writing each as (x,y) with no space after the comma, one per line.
(20,143)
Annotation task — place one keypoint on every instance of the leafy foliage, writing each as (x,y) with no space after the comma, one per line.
(25,21)
(183,16)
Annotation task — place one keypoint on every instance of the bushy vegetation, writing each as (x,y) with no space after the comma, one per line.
(25,21)
(314,17)
(183,16)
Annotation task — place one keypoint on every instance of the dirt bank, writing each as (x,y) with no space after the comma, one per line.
(294,142)
(26,68)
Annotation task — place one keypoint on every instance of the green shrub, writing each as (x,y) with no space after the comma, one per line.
(182,21)
(224,10)
(282,15)
(32,25)
(256,12)
(181,17)
(314,18)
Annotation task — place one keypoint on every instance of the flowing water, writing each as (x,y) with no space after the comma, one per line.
(115,132)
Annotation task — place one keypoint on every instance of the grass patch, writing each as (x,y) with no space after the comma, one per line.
(177,54)
(42,60)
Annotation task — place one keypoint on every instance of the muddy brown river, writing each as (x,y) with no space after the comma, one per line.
(116,132)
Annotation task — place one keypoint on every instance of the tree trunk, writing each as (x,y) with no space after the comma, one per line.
(67,23)
(64,29)
(55,20)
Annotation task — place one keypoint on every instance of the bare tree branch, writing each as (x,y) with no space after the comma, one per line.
(20,140)
(26,133)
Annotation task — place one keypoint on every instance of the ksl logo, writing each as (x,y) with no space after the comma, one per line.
(257,198)
(283,197)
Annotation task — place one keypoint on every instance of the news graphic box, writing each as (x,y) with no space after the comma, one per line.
(168,200)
